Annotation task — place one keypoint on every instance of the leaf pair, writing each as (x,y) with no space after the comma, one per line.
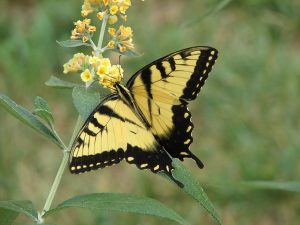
(26,117)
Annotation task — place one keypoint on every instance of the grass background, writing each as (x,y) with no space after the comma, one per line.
(247,121)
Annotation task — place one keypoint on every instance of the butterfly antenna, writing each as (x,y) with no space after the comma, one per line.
(120,56)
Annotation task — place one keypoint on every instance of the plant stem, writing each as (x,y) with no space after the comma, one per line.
(56,182)
(101,36)
(58,137)
(66,151)
(61,169)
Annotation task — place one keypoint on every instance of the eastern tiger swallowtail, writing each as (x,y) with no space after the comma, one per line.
(147,121)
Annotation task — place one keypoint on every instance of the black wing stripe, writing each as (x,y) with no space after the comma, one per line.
(109,112)
(172,63)
(162,70)
(146,78)
(95,122)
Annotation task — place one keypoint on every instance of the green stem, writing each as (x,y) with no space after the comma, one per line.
(101,36)
(56,182)
(67,151)
(58,137)
(61,169)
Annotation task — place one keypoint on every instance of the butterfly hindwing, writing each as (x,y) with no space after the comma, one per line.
(113,132)
(162,91)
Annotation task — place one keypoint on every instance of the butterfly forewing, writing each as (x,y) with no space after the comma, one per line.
(181,74)
(162,90)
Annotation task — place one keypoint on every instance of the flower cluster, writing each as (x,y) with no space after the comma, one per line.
(114,9)
(94,68)
(83,30)
(122,38)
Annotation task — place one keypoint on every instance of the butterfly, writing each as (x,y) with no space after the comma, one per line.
(146,122)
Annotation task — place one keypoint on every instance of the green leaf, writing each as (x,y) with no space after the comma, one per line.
(121,203)
(72,43)
(24,207)
(292,186)
(7,217)
(58,83)
(194,189)
(27,118)
(85,100)
(43,110)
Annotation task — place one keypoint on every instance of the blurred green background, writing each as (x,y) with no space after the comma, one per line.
(247,121)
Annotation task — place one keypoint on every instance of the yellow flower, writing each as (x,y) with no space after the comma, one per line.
(81,26)
(105,2)
(85,39)
(92,29)
(112,19)
(86,75)
(102,70)
(112,31)
(111,44)
(82,30)
(107,82)
(126,2)
(100,15)
(113,75)
(114,9)
(116,72)
(126,32)
(122,48)
(93,60)
(105,62)
(75,34)
(122,9)
(76,63)
(86,8)
(128,43)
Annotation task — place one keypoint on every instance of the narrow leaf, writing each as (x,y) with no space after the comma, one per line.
(85,100)
(58,83)
(43,110)
(121,203)
(24,207)
(27,118)
(194,189)
(72,43)
(273,185)
(7,217)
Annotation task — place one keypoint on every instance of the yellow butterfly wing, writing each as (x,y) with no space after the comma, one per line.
(113,132)
(162,90)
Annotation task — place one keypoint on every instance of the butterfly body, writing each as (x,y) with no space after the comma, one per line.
(147,121)
(127,98)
